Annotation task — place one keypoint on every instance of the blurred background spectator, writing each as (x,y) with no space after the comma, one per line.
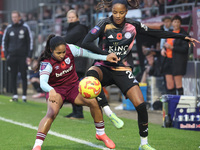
(175,52)
(75,35)
(35,80)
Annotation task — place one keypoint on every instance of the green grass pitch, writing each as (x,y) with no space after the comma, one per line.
(19,137)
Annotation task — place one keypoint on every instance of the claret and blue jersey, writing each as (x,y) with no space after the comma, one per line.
(54,73)
(63,72)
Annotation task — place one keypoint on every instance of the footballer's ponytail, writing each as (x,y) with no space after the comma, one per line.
(46,53)
(104,4)
(107,4)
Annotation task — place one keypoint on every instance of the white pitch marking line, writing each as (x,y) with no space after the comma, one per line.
(55,134)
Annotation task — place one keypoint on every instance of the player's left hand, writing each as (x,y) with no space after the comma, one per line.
(112,58)
(192,40)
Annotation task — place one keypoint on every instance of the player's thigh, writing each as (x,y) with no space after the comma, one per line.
(129,86)
(124,80)
(55,105)
(98,70)
(105,75)
(135,95)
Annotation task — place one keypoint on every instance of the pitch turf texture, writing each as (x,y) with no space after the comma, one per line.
(19,121)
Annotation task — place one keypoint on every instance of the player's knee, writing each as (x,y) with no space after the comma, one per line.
(51,114)
(93,103)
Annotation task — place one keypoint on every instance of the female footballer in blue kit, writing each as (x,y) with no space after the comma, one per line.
(116,35)
(59,79)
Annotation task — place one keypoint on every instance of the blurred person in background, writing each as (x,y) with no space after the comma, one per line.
(175,52)
(17,44)
(35,80)
(76,32)
(3,27)
(152,62)
(167,26)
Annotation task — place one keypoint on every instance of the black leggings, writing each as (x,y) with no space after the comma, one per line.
(18,64)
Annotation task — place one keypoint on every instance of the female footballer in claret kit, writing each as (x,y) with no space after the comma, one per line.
(59,79)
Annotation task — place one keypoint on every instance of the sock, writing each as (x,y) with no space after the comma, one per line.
(107,111)
(39,139)
(144,140)
(171,91)
(180,91)
(15,96)
(100,130)
(23,96)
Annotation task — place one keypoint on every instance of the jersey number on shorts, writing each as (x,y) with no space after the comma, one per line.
(130,74)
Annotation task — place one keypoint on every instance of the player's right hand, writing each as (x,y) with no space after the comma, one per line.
(112,57)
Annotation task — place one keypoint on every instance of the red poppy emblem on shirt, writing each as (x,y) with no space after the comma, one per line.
(119,36)
(63,65)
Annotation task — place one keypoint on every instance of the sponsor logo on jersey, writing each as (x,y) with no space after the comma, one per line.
(21,32)
(64,71)
(57,67)
(12,33)
(115,43)
(67,60)
(95,30)
(21,36)
(110,36)
(118,50)
(43,65)
(144,27)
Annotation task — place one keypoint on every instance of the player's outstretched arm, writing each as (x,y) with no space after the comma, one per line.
(192,40)
(81,52)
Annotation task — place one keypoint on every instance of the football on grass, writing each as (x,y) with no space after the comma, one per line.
(89,87)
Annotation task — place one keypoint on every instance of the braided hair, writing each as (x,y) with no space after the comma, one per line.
(110,3)
(52,42)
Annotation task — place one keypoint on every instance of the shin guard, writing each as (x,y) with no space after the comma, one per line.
(142,119)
